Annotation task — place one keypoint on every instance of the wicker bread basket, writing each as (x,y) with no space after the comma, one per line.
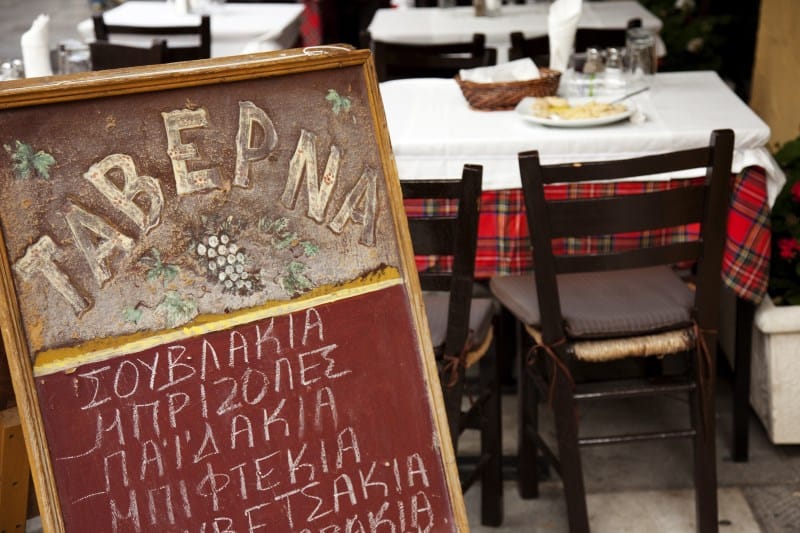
(506,95)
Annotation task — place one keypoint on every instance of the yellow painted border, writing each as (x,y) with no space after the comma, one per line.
(65,359)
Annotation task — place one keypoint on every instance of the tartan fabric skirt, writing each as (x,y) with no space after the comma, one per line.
(504,245)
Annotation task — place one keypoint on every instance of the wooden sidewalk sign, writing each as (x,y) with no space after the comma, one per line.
(210,305)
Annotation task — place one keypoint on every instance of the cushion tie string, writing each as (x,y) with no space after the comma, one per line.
(453,363)
(533,354)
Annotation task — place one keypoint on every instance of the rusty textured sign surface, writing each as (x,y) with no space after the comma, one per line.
(212,316)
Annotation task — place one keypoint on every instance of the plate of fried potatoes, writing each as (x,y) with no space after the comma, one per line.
(573,112)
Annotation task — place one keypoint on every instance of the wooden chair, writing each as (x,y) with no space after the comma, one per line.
(444,60)
(537,48)
(107,55)
(461,329)
(603,38)
(591,314)
(435,3)
(201,50)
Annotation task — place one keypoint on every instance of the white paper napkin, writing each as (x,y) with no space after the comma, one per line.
(517,70)
(562,21)
(35,44)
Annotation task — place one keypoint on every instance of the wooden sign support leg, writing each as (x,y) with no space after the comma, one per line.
(14,473)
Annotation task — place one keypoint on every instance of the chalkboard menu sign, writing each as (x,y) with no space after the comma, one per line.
(211,313)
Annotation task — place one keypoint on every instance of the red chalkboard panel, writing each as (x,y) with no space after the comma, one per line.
(212,315)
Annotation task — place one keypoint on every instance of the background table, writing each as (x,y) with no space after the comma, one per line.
(235,28)
(454,24)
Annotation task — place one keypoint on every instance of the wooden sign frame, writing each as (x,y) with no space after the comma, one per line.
(210,306)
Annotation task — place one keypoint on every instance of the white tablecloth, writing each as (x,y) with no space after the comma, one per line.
(235,28)
(455,24)
(434,132)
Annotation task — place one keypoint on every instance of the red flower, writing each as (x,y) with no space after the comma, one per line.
(788,248)
(796,191)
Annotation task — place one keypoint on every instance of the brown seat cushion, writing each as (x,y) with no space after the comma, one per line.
(605,304)
(437,304)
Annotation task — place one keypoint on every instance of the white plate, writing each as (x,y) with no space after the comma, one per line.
(525,109)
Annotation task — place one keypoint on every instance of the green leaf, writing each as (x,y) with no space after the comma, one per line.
(340,103)
(286,240)
(789,153)
(158,269)
(295,282)
(42,162)
(176,310)
(26,162)
(309,248)
(131,314)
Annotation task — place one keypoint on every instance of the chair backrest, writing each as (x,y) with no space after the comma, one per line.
(107,55)
(603,38)
(444,60)
(699,201)
(201,50)
(435,3)
(455,236)
(537,48)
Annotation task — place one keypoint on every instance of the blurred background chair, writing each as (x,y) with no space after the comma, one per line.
(443,60)
(435,3)
(461,329)
(606,314)
(107,55)
(603,38)
(538,48)
(200,49)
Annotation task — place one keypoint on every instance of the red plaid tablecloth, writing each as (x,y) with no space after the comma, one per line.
(504,246)
(311,25)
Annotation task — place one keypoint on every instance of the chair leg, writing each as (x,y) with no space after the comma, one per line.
(452,405)
(566,423)
(506,344)
(745,312)
(528,424)
(491,442)
(705,465)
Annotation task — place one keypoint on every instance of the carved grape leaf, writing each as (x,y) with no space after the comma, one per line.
(176,310)
(132,314)
(158,269)
(294,281)
(339,102)
(27,163)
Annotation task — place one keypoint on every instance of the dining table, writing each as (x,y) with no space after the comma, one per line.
(434,132)
(236,28)
(432,25)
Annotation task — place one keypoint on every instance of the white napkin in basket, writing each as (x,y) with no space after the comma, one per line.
(517,70)
(35,44)
(562,22)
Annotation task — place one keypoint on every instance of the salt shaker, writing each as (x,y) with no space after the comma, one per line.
(493,7)
(5,71)
(18,69)
(613,78)
(594,63)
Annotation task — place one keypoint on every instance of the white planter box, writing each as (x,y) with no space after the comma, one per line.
(775,378)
